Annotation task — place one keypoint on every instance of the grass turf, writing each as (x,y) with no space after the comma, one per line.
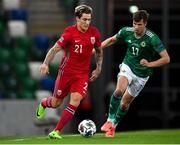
(133,137)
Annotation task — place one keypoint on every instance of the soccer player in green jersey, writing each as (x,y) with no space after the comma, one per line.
(136,68)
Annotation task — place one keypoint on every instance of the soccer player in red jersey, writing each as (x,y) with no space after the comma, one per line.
(77,41)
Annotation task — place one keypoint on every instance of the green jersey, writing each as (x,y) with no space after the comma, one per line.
(139,48)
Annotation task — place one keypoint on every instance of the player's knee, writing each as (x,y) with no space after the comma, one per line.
(75,100)
(124,106)
(119,92)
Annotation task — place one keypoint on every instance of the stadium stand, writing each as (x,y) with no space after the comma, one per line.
(23,46)
(25,37)
(10,4)
(17,28)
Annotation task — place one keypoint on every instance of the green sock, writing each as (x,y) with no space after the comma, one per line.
(119,115)
(113,106)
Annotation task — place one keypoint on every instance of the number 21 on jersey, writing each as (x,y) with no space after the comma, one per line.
(78,48)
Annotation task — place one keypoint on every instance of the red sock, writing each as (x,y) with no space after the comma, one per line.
(47,102)
(66,116)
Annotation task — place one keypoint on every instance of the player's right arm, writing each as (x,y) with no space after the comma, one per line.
(44,67)
(108,42)
(111,40)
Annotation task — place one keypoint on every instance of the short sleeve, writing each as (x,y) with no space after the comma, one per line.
(64,39)
(121,33)
(157,44)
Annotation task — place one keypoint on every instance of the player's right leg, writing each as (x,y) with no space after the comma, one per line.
(111,132)
(115,102)
(106,126)
(109,128)
(121,112)
(113,106)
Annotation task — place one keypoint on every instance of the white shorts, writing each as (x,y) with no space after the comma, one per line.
(136,84)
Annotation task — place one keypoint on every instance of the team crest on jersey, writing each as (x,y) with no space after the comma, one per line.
(59,92)
(93,40)
(143,44)
(123,70)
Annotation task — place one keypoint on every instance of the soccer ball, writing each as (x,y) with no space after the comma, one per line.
(87,128)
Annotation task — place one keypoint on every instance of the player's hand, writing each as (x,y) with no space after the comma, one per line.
(44,69)
(94,75)
(93,51)
(144,62)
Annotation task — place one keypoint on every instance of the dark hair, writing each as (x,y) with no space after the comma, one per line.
(79,10)
(141,15)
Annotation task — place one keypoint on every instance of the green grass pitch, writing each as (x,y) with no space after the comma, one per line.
(130,137)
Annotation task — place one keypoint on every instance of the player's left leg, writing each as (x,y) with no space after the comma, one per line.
(67,113)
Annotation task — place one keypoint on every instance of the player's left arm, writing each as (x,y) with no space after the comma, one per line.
(99,60)
(164,59)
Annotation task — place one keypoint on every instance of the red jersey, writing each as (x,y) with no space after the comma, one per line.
(78,49)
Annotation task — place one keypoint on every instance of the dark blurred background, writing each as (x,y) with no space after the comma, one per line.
(28,28)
